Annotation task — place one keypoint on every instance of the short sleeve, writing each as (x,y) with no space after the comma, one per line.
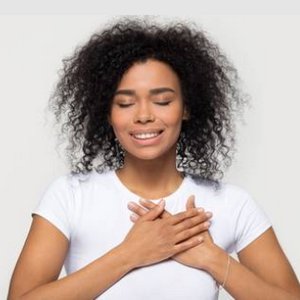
(56,205)
(251,223)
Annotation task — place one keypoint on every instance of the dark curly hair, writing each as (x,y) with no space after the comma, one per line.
(82,99)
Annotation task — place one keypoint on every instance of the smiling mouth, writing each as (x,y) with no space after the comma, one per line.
(146,135)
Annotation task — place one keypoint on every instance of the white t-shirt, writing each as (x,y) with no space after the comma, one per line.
(91,211)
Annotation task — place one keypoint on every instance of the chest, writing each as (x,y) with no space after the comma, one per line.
(101,223)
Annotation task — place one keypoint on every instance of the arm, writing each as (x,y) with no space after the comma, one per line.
(41,260)
(39,265)
(262,273)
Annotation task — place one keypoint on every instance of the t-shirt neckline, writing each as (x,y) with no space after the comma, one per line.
(126,190)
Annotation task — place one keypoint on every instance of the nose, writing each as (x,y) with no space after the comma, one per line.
(143,114)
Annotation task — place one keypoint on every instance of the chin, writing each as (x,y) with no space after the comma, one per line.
(146,157)
(150,155)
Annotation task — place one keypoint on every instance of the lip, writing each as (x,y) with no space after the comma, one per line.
(149,141)
(141,131)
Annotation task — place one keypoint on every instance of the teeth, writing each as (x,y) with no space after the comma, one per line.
(144,136)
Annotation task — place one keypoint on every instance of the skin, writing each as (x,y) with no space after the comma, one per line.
(149,99)
(150,172)
(251,274)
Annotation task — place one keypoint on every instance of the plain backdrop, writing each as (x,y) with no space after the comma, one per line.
(265,50)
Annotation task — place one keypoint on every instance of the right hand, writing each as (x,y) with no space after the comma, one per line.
(153,239)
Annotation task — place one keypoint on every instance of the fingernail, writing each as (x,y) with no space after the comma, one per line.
(208,214)
(207,224)
(143,201)
(130,204)
(133,217)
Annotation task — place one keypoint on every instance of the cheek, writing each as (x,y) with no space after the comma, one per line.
(173,118)
(119,123)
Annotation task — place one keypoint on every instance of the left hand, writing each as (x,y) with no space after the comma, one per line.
(197,257)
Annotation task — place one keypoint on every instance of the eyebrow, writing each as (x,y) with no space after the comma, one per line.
(155,91)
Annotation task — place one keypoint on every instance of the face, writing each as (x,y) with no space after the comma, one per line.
(147,110)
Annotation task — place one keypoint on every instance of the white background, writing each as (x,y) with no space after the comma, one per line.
(266,51)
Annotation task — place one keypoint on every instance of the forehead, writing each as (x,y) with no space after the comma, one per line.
(150,74)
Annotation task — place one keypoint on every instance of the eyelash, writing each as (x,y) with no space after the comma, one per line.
(123,105)
(163,103)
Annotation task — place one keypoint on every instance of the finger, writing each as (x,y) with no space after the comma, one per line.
(179,217)
(154,213)
(190,243)
(191,222)
(149,205)
(134,218)
(190,203)
(188,233)
(138,210)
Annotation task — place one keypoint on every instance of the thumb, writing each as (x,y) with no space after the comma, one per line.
(190,203)
(154,212)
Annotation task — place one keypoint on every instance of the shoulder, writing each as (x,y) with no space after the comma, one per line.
(70,182)
(224,192)
(238,218)
(229,198)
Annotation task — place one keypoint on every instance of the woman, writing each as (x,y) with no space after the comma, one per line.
(150,113)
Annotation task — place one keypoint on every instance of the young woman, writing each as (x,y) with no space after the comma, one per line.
(149,113)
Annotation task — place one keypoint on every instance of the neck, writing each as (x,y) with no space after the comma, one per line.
(151,179)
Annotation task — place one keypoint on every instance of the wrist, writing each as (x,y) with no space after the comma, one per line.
(125,256)
(216,263)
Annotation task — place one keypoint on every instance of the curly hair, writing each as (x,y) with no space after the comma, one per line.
(82,99)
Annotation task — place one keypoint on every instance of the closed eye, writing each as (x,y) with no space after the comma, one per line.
(165,103)
(124,105)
